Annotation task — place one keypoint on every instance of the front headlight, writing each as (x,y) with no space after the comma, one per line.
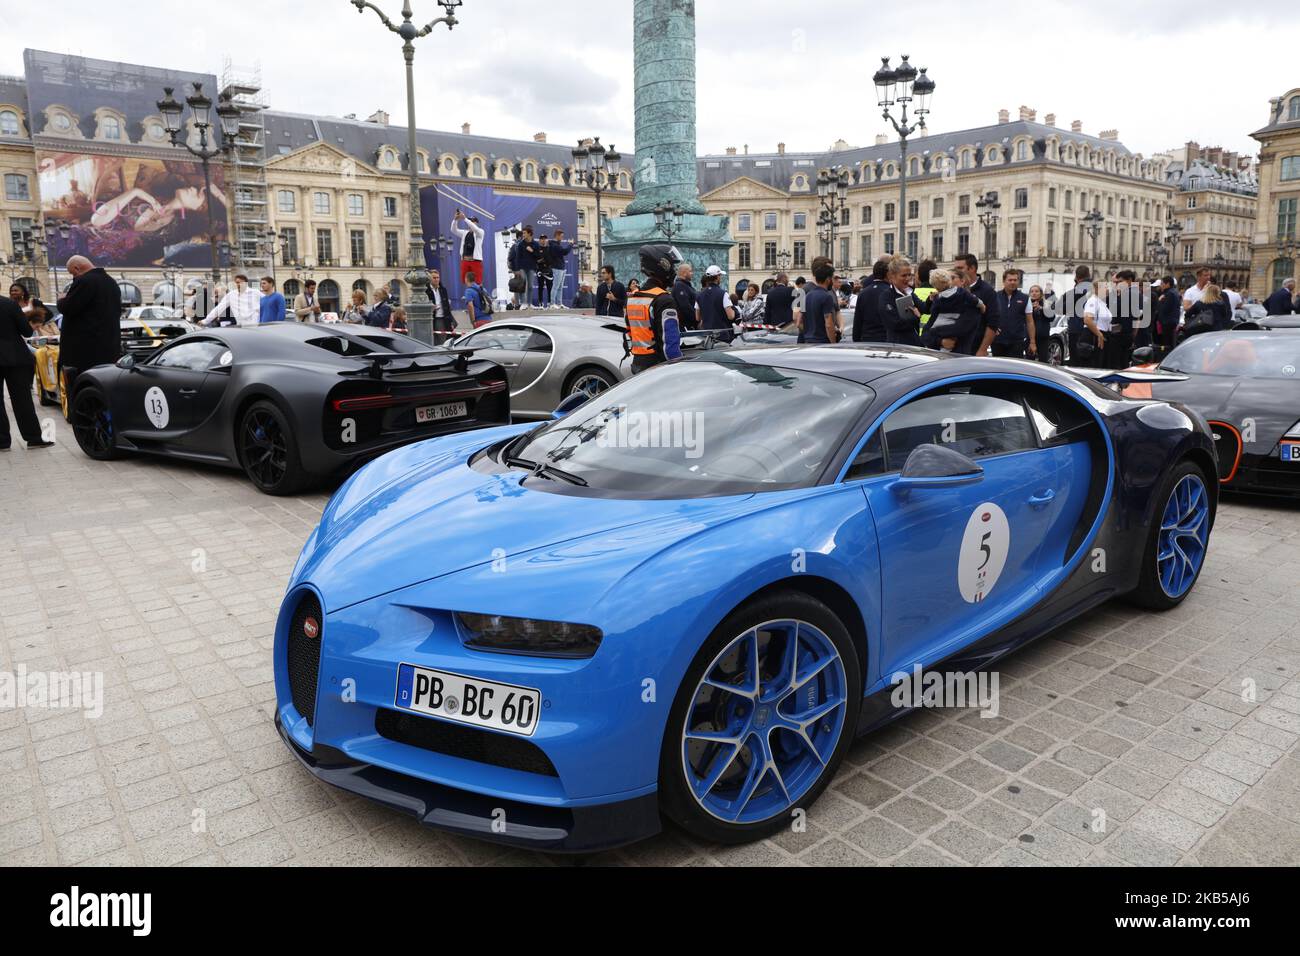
(1294,432)
(522,635)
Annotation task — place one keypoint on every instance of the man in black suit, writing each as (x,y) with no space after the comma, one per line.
(17,368)
(92,319)
(868,325)
(780,302)
(1282,302)
(611,295)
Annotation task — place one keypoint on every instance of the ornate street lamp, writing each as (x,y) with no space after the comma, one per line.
(590,161)
(903,85)
(783,260)
(419,308)
(1173,230)
(833,196)
(989,217)
(669,220)
(1093,228)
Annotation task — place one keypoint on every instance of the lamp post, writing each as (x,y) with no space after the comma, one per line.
(590,160)
(783,260)
(901,86)
(1093,228)
(45,241)
(833,195)
(1218,262)
(275,243)
(1173,230)
(200,105)
(988,206)
(669,220)
(419,309)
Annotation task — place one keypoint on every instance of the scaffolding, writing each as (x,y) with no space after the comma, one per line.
(249,249)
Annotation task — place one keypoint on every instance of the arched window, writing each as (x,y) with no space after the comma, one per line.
(530,172)
(130,293)
(361,285)
(112,127)
(1293,109)
(1022,150)
(8,123)
(476,168)
(292,287)
(913,167)
(328,294)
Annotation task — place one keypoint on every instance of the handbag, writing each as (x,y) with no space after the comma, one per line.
(517,282)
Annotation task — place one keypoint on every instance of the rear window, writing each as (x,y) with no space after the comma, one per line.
(1273,355)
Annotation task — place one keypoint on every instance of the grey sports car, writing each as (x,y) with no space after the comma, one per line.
(549,357)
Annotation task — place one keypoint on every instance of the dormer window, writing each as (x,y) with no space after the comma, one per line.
(9,125)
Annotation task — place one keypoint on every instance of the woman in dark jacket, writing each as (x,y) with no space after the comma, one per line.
(17,368)
(1211,314)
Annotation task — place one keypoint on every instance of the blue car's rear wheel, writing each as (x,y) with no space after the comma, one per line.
(761,721)
(1179,539)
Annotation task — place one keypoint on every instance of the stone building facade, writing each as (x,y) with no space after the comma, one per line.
(1275,235)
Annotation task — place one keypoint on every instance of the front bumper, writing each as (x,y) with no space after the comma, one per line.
(579,829)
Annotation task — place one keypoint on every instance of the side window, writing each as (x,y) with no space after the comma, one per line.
(870,460)
(966,420)
(195,356)
(511,337)
(538,342)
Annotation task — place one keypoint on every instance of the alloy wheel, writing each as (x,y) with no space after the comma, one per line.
(1184,536)
(264,449)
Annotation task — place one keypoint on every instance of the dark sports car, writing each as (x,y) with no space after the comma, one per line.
(1247,385)
(703,607)
(287,403)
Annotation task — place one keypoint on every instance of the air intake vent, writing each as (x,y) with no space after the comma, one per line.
(1227,446)
(468,743)
(304,655)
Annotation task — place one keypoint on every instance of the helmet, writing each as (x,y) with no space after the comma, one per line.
(660,260)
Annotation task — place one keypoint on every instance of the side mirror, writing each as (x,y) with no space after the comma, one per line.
(570,405)
(126,361)
(1144,356)
(937,466)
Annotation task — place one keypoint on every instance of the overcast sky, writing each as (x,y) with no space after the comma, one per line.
(515,67)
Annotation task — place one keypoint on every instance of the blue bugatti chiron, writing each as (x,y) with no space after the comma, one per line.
(683,598)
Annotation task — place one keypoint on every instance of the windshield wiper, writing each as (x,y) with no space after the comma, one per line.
(545,471)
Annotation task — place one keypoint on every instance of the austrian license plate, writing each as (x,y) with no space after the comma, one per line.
(437,413)
(468,700)
(1291,451)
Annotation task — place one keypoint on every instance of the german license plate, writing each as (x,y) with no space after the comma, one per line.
(468,700)
(437,413)
(1291,451)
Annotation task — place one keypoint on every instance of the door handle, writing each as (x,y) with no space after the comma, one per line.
(189,391)
(1042,500)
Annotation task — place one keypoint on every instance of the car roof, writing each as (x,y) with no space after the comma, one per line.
(856,361)
(576,319)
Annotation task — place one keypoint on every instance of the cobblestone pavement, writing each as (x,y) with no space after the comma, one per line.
(167,579)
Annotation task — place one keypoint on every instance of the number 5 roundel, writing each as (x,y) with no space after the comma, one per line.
(984,549)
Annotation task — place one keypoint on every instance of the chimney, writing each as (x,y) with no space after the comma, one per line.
(539,137)
(881,139)
(464,129)
(1076,126)
(350,116)
(1028,115)
(731,151)
(1109,134)
(780,149)
(379,117)
(1004,116)
(746,149)
(1050,119)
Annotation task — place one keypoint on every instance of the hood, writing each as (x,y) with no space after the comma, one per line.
(426,513)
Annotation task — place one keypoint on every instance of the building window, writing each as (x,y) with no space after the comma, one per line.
(112,127)
(844,216)
(390,207)
(769,255)
(742,255)
(1069,199)
(889,212)
(1022,150)
(800,221)
(936,207)
(963,205)
(844,252)
(20,230)
(292,287)
(963,240)
(320,203)
(356,204)
(866,250)
(1191,202)
(1022,198)
(8,123)
(1051,198)
(800,253)
(289,244)
(324,246)
(913,209)
(1285,216)
(889,243)
(936,245)
(476,168)
(391,254)
(769,221)
(286,200)
(357,244)
(1020,239)
(1293,110)
(16,188)
(866,215)
(1290,167)
(744,222)
(913,243)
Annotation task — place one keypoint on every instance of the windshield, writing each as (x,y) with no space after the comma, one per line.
(1268,355)
(717,425)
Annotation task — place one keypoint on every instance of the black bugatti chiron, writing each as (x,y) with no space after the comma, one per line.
(287,403)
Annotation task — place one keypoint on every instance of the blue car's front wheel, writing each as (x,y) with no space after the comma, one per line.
(1179,538)
(762,720)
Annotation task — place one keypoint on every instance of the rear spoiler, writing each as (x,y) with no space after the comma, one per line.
(1106,376)
(378,364)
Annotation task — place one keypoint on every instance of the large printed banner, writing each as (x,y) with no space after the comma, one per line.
(500,215)
(130,211)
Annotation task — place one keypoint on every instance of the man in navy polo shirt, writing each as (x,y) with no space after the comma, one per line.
(1014,333)
(821,310)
